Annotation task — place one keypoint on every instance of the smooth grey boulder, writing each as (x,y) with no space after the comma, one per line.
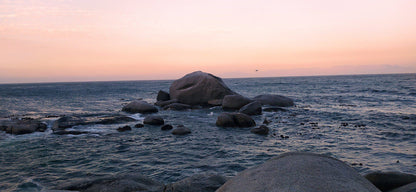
(119,183)
(390,180)
(253,108)
(162,96)
(198,88)
(231,102)
(299,172)
(262,130)
(177,107)
(181,130)
(197,183)
(411,187)
(235,120)
(274,100)
(153,120)
(22,126)
(139,107)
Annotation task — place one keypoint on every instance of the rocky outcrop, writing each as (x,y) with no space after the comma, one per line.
(181,130)
(262,130)
(70,121)
(235,120)
(22,126)
(232,102)
(274,100)
(299,172)
(121,183)
(197,183)
(139,107)
(162,96)
(198,88)
(253,108)
(386,181)
(153,120)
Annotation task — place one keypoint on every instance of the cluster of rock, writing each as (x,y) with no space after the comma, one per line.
(288,172)
(22,126)
(199,89)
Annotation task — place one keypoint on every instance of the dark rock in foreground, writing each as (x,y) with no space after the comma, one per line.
(23,126)
(162,96)
(411,187)
(274,100)
(390,180)
(181,130)
(299,172)
(139,107)
(262,130)
(235,120)
(253,108)
(124,128)
(198,88)
(197,183)
(153,120)
(231,102)
(124,183)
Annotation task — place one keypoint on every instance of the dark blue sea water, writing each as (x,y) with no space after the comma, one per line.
(367,121)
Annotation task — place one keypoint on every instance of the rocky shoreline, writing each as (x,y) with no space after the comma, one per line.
(287,172)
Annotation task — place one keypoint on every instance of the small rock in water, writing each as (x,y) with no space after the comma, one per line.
(181,130)
(124,128)
(284,137)
(266,121)
(166,127)
(262,130)
(139,125)
(344,124)
(162,96)
(153,120)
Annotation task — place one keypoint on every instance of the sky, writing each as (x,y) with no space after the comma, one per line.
(102,40)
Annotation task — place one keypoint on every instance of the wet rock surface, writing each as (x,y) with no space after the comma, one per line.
(235,120)
(139,107)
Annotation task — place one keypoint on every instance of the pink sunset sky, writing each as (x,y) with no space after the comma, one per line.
(101,40)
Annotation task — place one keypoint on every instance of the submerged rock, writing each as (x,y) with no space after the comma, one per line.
(138,125)
(274,100)
(119,183)
(139,107)
(166,127)
(124,128)
(70,121)
(65,132)
(67,122)
(253,108)
(235,120)
(162,96)
(231,102)
(299,172)
(197,183)
(390,180)
(262,130)
(22,126)
(164,103)
(181,130)
(177,107)
(153,120)
(198,88)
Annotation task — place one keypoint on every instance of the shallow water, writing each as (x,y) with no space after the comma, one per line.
(368,121)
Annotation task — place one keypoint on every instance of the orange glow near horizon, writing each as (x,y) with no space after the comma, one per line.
(74,40)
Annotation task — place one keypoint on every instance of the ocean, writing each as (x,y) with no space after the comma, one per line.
(367,121)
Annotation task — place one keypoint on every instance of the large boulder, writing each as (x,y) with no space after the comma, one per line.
(120,183)
(390,180)
(139,107)
(235,120)
(274,100)
(253,108)
(153,120)
(22,126)
(199,183)
(198,88)
(231,102)
(299,172)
